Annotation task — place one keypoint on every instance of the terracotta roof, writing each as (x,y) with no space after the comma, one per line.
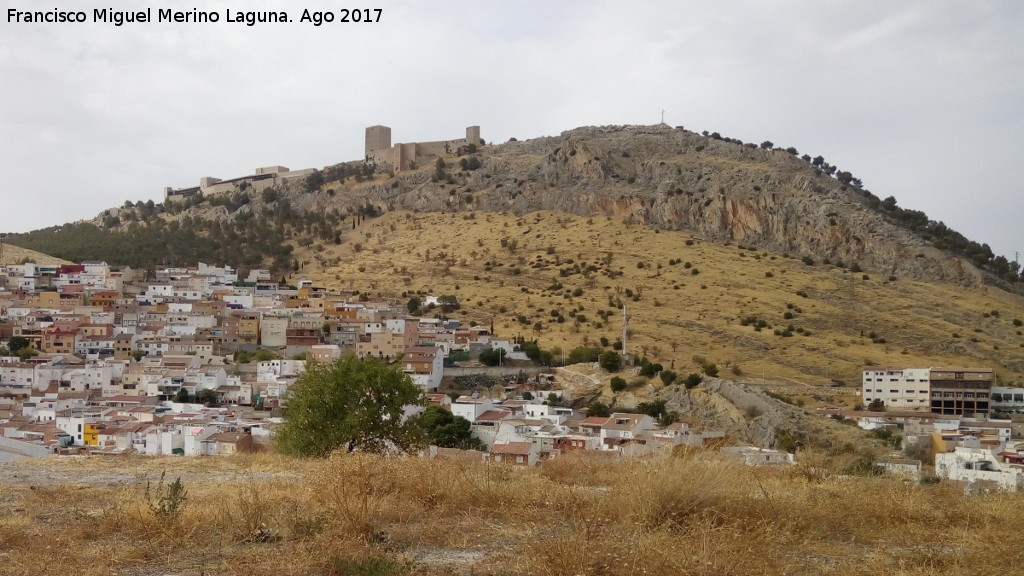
(492,416)
(516,448)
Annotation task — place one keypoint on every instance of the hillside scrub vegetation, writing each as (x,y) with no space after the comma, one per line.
(578,514)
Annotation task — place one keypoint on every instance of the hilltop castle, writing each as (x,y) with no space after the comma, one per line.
(378,149)
(404,156)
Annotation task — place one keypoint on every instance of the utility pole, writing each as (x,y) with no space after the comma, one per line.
(625,330)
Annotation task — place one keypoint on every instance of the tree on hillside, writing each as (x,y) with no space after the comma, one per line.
(351,404)
(413,305)
(449,303)
(693,380)
(610,360)
(709,369)
(444,429)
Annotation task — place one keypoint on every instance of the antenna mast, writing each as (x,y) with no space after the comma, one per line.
(625,326)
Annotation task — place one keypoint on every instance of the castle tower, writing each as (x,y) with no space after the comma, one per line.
(473,135)
(377,138)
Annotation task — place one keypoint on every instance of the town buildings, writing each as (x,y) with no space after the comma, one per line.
(111,361)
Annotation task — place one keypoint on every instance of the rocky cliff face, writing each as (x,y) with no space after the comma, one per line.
(675,179)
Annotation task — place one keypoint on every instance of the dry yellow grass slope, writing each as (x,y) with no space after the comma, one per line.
(580,514)
(16,255)
(687,298)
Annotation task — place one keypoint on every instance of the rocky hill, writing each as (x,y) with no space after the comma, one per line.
(679,180)
(716,188)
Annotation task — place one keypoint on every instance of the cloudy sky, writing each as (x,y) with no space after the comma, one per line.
(922,100)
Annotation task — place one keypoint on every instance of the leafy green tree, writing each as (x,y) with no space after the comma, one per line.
(313,182)
(181,396)
(206,397)
(599,409)
(351,404)
(668,377)
(610,360)
(693,380)
(492,356)
(442,428)
(26,353)
(138,355)
(439,173)
(618,384)
(16,343)
(413,305)
(584,354)
(877,405)
(449,303)
(648,368)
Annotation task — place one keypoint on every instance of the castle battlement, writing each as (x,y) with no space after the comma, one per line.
(403,156)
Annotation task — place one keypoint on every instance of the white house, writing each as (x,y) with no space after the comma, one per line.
(469,407)
(973,465)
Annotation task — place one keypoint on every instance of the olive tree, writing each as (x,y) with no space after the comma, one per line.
(352,404)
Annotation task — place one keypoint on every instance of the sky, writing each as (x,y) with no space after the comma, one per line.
(921,100)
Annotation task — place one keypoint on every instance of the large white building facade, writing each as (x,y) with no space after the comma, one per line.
(902,388)
(947,391)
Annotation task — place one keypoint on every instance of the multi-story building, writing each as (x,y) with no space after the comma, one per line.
(961,390)
(903,388)
(946,391)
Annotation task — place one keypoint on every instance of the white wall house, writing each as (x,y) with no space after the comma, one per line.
(978,465)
